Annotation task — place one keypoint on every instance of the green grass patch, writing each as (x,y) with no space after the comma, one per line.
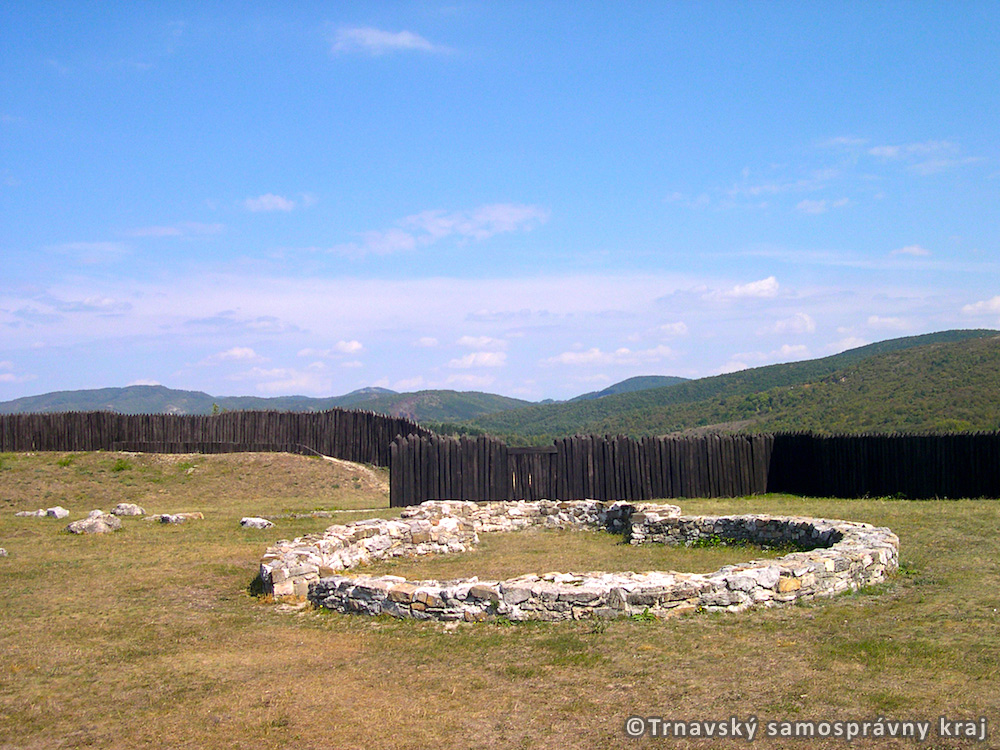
(500,556)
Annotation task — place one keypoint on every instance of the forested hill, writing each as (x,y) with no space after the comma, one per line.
(948,380)
(157,399)
(641,383)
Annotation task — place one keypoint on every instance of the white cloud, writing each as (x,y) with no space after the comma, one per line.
(408,384)
(288,380)
(844,141)
(236,354)
(480,223)
(886,152)
(732,366)
(929,157)
(763,289)
(383,242)
(378,42)
(341,347)
(145,382)
(429,227)
(793,350)
(674,329)
(850,342)
(798,323)
(482,342)
(592,356)
(94,304)
(269,202)
(933,166)
(480,359)
(348,347)
(427,342)
(621,356)
(816,207)
(915,250)
(983,307)
(11,376)
(913,149)
(184,229)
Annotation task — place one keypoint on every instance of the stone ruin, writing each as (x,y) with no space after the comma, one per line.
(835,556)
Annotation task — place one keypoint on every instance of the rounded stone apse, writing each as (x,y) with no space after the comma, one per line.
(831,557)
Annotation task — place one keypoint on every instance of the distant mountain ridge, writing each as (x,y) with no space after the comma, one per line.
(641,383)
(430,405)
(158,399)
(903,384)
(941,381)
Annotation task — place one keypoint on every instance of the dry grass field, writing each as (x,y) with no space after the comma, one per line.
(151,637)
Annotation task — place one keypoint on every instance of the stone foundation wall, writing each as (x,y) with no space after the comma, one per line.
(838,556)
(434,527)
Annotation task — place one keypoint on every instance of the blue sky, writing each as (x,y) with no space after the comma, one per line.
(534,199)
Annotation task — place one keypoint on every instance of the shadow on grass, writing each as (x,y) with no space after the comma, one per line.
(256,587)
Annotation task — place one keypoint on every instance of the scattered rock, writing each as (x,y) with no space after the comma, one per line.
(102,524)
(251,522)
(97,513)
(56,512)
(175,517)
(3,552)
(127,509)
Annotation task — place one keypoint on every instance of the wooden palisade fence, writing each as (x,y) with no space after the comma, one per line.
(911,466)
(351,435)
(424,466)
(619,468)
(588,466)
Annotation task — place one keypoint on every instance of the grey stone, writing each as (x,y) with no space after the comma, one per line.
(253,522)
(102,524)
(128,509)
(57,512)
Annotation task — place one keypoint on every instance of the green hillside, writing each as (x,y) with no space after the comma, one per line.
(641,383)
(146,399)
(778,396)
(439,406)
(134,399)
